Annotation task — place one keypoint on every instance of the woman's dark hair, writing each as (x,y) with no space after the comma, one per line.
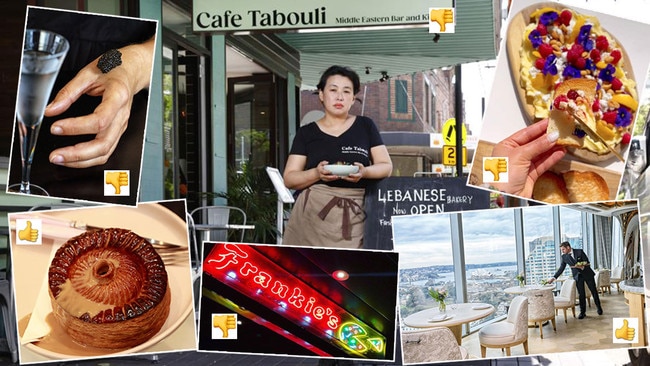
(343,71)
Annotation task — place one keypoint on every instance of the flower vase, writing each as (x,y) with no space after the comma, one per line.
(442,307)
(521,283)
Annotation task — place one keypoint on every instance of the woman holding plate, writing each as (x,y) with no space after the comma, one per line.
(331,162)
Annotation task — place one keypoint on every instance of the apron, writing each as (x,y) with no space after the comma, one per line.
(325,216)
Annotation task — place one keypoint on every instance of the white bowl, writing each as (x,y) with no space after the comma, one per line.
(341,170)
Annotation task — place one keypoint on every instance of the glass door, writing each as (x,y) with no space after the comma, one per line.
(252,125)
(184,117)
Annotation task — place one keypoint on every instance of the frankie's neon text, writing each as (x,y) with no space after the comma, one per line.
(235,259)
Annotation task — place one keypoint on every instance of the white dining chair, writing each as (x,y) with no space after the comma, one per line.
(509,332)
(430,345)
(541,308)
(567,298)
(616,278)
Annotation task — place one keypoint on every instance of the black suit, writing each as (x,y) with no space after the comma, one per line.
(581,276)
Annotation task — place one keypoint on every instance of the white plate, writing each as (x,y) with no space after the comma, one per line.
(481,307)
(440,318)
(342,170)
(151,220)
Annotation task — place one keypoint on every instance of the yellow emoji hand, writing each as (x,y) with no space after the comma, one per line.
(28,233)
(117,180)
(224,322)
(495,166)
(625,332)
(442,17)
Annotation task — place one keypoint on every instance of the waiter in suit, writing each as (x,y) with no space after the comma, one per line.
(581,273)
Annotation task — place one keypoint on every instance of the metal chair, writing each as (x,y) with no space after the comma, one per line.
(216,221)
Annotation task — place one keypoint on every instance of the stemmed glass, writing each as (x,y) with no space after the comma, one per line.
(43,54)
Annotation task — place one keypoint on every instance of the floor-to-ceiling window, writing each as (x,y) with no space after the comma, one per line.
(490,258)
(540,248)
(426,260)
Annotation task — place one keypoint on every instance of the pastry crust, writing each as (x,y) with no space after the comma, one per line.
(550,188)
(585,186)
(109,289)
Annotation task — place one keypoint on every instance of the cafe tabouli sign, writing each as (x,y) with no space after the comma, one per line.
(253,274)
(237,15)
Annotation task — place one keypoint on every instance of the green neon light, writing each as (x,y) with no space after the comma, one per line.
(356,338)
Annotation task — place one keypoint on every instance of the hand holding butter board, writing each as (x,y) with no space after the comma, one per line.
(574,68)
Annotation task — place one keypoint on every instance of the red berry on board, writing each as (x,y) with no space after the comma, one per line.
(616,54)
(565,17)
(610,117)
(545,49)
(572,94)
(626,138)
(539,63)
(602,43)
(541,28)
(616,84)
(595,106)
(559,99)
(595,55)
(580,63)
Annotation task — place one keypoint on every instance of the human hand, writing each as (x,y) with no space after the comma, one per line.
(550,280)
(324,174)
(117,180)
(355,177)
(625,332)
(224,322)
(530,153)
(109,120)
(28,233)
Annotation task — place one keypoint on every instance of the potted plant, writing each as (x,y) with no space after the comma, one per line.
(522,280)
(439,296)
(251,190)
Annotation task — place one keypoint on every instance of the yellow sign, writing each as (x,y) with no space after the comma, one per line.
(449,155)
(449,132)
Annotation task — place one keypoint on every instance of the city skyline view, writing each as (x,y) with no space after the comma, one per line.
(489,235)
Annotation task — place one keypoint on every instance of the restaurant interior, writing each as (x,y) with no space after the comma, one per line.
(494,304)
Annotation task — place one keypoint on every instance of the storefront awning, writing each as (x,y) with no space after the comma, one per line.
(401,51)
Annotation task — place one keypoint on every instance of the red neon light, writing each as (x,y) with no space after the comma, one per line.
(258,277)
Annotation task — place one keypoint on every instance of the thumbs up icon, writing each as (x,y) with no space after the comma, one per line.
(626,332)
(27,231)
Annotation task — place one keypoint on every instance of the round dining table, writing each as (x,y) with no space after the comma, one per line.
(519,290)
(456,316)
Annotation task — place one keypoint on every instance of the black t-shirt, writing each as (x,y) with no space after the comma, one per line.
(352,146)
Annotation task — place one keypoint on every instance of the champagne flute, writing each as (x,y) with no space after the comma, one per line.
(43,54)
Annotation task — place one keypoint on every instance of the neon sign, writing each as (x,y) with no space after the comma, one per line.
(253,274)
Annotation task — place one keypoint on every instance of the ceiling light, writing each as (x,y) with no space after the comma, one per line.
(436,38)
(384,76)
(368,70)
(340,275)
